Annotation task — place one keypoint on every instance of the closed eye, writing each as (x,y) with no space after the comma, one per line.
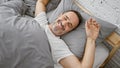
(70,25)
(65,18)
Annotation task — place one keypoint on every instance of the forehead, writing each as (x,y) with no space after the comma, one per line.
(73,17)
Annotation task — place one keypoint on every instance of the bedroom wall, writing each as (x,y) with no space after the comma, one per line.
(108,10)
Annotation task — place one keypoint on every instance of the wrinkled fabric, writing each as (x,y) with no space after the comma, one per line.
(23,43)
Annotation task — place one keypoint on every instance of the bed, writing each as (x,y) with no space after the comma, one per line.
(106,10)
(76,39)
(30,54)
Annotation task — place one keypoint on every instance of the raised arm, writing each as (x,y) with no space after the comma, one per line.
(41,6)
(92,30)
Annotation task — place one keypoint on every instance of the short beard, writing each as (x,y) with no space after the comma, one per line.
(54,26)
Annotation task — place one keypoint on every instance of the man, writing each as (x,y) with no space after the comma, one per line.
(20,44)
(62,25)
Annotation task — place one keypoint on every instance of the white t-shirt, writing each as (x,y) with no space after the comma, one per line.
(58,47)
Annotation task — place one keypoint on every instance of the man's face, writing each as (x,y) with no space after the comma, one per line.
(64,23)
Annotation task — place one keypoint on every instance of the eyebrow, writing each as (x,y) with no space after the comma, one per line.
(67,17)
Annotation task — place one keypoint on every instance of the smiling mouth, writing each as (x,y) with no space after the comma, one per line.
(59,22)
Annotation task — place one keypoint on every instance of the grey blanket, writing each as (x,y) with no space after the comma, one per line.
(32,3)
(23,43)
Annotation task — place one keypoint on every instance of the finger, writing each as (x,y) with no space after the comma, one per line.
(93,21)
(86,24)
(98,26)
(90,21)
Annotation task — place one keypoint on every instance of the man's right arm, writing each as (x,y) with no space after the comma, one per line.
(40,15)
(41,6)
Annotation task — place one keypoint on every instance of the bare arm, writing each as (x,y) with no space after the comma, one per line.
(92,30)
(41,6)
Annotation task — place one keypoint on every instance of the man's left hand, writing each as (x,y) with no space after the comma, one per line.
(92,28)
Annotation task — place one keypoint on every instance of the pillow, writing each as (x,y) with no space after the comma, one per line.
(76,39)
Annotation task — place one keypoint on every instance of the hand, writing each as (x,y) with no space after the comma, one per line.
(45,2)
(92,28)
(40,6)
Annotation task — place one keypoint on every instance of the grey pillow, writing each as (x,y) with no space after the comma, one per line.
(77,38)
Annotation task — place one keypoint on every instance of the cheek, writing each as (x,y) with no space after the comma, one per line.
(68,30)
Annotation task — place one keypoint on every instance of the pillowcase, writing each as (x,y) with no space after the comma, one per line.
(76,39)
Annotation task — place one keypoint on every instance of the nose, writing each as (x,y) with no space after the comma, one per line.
(64,23)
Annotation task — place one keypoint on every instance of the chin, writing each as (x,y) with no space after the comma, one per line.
(58,33)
